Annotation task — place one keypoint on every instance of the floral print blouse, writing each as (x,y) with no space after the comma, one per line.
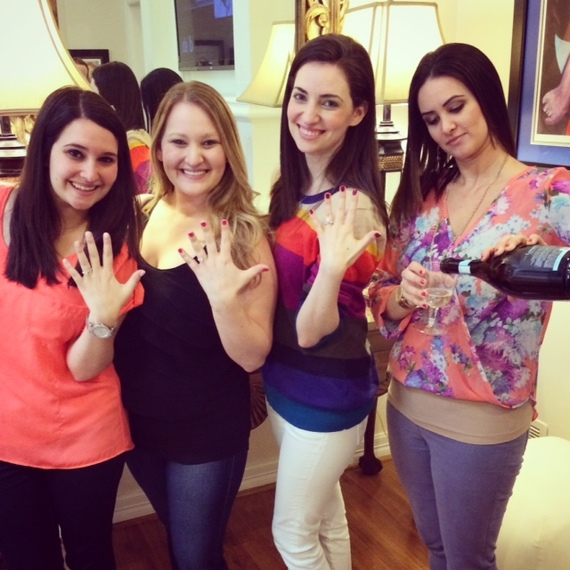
(490,351)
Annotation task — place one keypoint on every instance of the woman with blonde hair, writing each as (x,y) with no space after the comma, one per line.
(184,357)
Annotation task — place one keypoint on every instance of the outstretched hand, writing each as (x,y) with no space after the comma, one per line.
(339,247)
(103,294)
(215,269)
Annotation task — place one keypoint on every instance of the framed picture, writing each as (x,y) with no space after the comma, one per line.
(94,57)
(542,131)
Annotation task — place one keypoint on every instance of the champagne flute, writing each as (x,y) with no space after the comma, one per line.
(439,291)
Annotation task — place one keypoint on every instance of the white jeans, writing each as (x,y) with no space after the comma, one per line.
(309,521)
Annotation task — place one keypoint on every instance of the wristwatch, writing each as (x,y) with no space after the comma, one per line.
(99,329)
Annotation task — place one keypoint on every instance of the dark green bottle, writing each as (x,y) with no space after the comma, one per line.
(530,272)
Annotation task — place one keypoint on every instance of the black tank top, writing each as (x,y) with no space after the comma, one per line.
(187,400)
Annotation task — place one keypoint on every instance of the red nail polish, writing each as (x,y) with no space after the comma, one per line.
(311,211)
(327,196)
(191,235)
(343,188)
(203,224)
(377,235)
(180,250)
(224,222)
(354,192)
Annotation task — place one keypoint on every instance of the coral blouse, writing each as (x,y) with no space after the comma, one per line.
(48,419)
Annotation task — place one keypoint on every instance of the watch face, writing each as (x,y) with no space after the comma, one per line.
(101,331)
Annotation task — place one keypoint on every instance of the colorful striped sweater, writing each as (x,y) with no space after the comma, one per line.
(332,385)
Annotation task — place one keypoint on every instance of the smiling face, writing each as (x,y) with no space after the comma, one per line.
(453,118)
(191,151)
(83,165)
(321,110)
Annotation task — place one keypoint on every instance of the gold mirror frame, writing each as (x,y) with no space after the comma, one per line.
(53,6)
(318,17)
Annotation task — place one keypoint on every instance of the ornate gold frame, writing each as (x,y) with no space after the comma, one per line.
(317,17)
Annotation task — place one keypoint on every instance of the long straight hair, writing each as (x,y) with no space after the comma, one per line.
(355,163)
(118,85)
(426,165)
(35,224)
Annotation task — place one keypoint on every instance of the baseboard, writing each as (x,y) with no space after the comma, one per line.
(134,504)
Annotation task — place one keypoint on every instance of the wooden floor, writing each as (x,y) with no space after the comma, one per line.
(382,531)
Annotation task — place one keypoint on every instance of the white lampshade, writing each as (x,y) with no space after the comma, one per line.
(268,86)
(396,35)
(34,61)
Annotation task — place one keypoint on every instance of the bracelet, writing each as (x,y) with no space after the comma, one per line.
(402,301)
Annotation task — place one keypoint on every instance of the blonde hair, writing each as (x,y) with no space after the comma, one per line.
(233,198)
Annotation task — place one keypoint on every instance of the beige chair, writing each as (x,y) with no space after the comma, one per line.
(536,529)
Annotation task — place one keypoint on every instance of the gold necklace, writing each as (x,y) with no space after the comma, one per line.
(478,205)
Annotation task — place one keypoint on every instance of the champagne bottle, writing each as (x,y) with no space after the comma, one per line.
(530,272)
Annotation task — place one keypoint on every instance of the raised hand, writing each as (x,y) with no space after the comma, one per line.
(338,245)
(103,294)
(215,269)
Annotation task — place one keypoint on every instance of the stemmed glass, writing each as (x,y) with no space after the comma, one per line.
(439,290)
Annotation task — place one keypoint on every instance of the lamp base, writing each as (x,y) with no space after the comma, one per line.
(390,151)
(12,151)
(12,156)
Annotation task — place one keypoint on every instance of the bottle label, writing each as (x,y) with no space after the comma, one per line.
(464,267)
(544,257)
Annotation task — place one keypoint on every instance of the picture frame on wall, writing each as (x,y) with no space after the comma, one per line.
(94,57)
(536,73)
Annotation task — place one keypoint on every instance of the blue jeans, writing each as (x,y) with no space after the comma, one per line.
(458,492)
(193,502)
(36,503)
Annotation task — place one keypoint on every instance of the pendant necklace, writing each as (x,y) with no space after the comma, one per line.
(479,202)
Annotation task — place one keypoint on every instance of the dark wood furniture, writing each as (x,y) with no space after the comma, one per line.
(368,462)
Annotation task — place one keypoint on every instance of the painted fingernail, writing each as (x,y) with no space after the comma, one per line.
(265,270)
(342,188)
(424,293)
(422,282)
(180,250)
(191,235)
(224,222)
(377,234)
(354,192)
(203,224)
(424,306)
(327,196)
(311,211)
